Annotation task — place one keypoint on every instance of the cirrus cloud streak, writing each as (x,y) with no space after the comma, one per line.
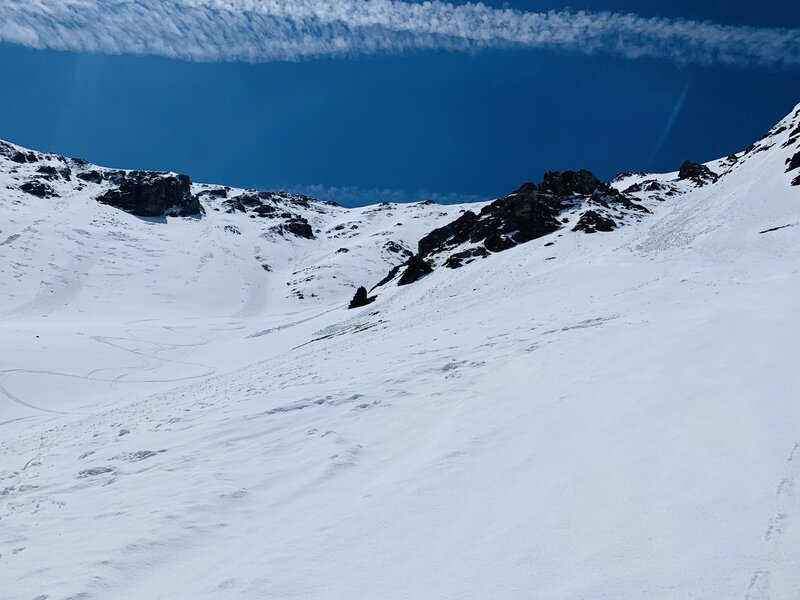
(270,30)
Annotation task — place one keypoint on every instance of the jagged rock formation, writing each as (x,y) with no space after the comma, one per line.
(416,268)
(271,205)
(529,213)
(361,298)
(591,222)
(698,173)
(50,173)
(146,193)
(38,189)
(794,162)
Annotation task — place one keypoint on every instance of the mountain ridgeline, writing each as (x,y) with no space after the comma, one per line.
(450,237)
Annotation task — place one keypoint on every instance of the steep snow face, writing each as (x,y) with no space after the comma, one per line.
(580,416)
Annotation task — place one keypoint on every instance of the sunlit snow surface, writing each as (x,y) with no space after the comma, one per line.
(615,416)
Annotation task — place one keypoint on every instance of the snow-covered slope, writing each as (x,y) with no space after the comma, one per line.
(605,415)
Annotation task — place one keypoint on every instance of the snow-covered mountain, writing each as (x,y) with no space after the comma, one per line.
(581,390)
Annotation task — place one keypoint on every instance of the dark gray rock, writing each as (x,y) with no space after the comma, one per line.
(563,184)
(38,189)
(50,173)
(591,222)
(24,157)
(497,242)
(416,268)
(216,193)
(459,259)
(91,176)
(300,227)
(696,172)
(148,193)
(794,162)
(529,213)
(395,248)
(361,298)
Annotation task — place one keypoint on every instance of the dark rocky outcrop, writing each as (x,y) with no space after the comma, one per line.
(300,227)
(529,213)
(215,193)
(416,268)
(651,185)
(50,173)
(459,259)
(91,176)
(395,248)
(274,205)
(147,193)
(38,189)
(794,162)
(518,218)
(361,298)
(696,172)
(24,157)
(570,182)
(633,206)
(591,222)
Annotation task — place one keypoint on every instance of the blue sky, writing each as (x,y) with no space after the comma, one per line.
(401,115)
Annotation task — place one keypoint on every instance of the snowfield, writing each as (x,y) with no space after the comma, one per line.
(614,416)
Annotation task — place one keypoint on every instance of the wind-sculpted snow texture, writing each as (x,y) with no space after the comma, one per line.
(188,408)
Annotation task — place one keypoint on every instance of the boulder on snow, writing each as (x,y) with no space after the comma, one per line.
(361,298)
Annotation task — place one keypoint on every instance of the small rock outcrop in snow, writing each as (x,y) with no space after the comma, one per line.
(361,298)
(794,162)
(698,173)
(591,222)
(416,268)
(38,189)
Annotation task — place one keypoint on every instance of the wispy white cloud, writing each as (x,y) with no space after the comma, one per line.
(358,196)
(268,30)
